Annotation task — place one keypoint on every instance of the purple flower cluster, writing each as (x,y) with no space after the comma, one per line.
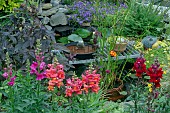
(86,10)
(82,12)
(8,75)
(38,68)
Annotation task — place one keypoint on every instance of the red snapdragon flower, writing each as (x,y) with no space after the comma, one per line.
(139,67)
(155,74)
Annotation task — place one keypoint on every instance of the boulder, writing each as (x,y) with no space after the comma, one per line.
(47,6)
(55,2)
(50,11)
(58,19)
(45,20)
(63,10)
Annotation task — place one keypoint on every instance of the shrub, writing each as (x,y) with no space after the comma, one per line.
(143,20)
(19,37)
(9,5)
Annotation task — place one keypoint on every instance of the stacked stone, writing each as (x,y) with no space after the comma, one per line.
(53,14)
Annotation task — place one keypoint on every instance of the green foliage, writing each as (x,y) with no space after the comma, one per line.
(90,103)
(25,98)
(84,33)
(143,20)
(9,5)
(74,38)
(77,36)
(140,100)
(19,37)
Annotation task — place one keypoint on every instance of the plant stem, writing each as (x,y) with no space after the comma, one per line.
(53,99)
(12,99)
(38,89)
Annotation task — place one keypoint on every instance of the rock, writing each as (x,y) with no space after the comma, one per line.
(47,6)
(63,28)
(148,41)
(50,11)
(63,6)
(63,10)
(45,20)
(48,27)
(55,2)
(58,19)
(40,17)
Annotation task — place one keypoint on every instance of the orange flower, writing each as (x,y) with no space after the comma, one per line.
(85,88)
(61,74)
(59,83)
(68,92)
(95,88)
(113,53)
(51,88)
(51,73)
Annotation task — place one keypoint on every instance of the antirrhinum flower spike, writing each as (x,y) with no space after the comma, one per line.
(139,66)
(7,61)
(56,75)
(155,73)
(28,66)
(38,67)
(38,47)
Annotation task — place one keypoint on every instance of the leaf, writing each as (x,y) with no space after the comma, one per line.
(31,53)
(63,40)
(123,93)
(13,39)
(133,76)
(18,47)
(59,46)
(84,33)
(74,38)
(20,108)
(0,97)
(26,44)
(147,77)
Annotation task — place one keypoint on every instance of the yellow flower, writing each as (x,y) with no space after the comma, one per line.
(149,49)
(152,55)
(149,85)
(147,61)
(150,89)
(164,72)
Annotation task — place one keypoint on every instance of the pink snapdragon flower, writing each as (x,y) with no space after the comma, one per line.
(5,75)
(42,65)
(12,81)
(8,75)
(38,68)
(33,67)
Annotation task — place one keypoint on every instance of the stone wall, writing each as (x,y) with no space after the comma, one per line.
(54,16)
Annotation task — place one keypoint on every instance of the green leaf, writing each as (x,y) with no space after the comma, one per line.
(123,93)
(74,38)
(63,40)
(0,97)
(20,108)
(147,77)
(133,76)
(84,33)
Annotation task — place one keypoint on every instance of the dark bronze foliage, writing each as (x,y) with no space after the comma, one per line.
(19,37)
